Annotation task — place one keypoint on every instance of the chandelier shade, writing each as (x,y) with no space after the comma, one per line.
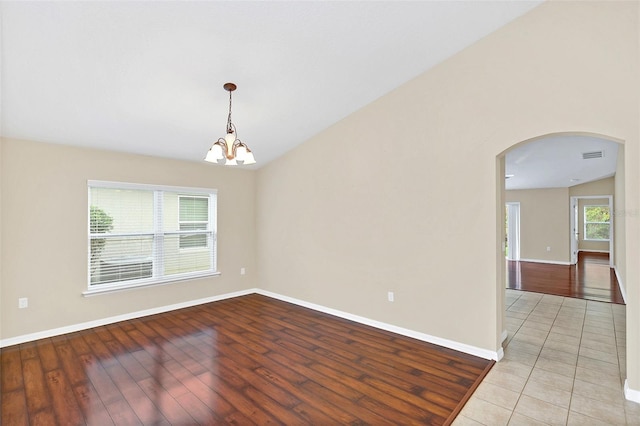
(229,150)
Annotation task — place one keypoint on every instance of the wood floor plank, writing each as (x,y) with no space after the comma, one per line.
(311,402)
(123,338)
(91,405)
(258,381)
(45,418)
(170,408)
(311,415)
(28,350)
(336,405)
(412,377)
(590,278)
(98,348)
(63,400)
(322,380)
(12,378)
(127,360)
(35,385)
(14,408)
(69,359)
(241,403)
(246,360)
(47,354)
(166,381)
(78,343)
(122,414)
(142,406)
(99,378)
(283,415)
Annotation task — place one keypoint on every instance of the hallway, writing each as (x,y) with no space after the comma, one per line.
(564,364)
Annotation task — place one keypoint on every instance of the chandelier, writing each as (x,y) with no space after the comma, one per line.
(230,150)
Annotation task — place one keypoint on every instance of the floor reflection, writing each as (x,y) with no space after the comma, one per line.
(591,278)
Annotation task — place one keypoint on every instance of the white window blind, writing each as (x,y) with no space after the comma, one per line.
(194,216)
(142,234)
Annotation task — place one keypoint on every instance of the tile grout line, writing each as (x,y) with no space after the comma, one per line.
(537,357)
(575,373)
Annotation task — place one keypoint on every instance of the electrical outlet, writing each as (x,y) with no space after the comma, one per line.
(548,248)
(390,296)
(242,271)
(23,302)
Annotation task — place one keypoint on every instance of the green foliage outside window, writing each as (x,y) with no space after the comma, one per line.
(597,222)
(99,223)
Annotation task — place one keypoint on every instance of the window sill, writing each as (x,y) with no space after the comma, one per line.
(106,288)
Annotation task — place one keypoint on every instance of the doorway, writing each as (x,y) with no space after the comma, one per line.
(580,240)
(577,150)
(512,231)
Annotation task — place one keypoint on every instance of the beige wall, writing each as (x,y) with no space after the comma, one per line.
(400,195)
(604,186)
(544,222)
(545,219)
(1,226)
(44,233)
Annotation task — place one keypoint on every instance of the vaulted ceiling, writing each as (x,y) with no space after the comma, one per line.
(146,77)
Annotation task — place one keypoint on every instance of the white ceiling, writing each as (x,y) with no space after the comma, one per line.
(146,77)
(557,162)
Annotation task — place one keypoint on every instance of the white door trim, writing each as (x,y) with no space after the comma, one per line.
(573,204)
(513,231)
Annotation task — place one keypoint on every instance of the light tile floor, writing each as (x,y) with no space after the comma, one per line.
(564,364)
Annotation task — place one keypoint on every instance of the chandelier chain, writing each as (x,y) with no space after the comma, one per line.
(229,123)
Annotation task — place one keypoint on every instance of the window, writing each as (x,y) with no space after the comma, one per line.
(141,234)
(194,216)
(597,222)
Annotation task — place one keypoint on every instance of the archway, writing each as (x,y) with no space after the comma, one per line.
(563,255)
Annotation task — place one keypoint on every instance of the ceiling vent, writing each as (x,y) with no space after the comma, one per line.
(593,154)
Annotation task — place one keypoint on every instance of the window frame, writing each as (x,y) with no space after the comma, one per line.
(585,223)
(158,234)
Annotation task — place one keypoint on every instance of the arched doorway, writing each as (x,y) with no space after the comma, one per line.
(552,241)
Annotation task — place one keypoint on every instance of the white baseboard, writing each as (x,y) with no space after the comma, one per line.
(553,262)
(620,284)
(461,347)
(631,394)
(110,320)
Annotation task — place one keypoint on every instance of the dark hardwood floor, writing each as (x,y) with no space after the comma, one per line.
(247,360)
(591,278)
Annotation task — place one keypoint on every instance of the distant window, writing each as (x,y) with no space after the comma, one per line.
(597,223)
(144,234)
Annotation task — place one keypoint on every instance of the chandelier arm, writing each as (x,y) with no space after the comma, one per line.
(236,144)
(223,144)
